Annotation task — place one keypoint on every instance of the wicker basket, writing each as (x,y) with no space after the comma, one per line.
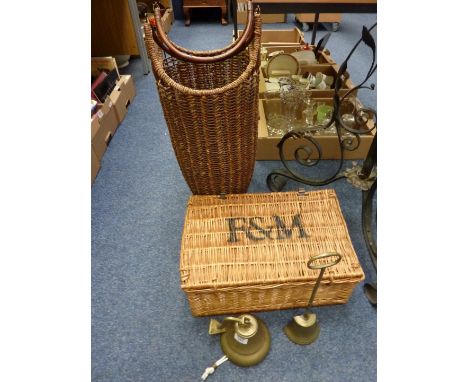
(211,110)
(247,253)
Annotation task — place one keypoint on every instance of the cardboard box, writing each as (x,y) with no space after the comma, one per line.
(267,146)
(100,137)
(95,165)
(324,62)
(323,58)
(103,126)
(329,70)
(261,85)
(107,115)
(283,37)
(98,64)
(122,95)
(323,17)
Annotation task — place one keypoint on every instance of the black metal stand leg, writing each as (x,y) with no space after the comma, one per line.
(371,159)
(367,209)
(370,289)
(314,30)
(233,5)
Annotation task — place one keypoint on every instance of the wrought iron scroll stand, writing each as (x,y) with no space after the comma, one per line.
(362,177)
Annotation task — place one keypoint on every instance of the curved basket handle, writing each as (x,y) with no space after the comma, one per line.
(311,265)
(166,44)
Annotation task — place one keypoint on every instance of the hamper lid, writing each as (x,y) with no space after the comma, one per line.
(259,239)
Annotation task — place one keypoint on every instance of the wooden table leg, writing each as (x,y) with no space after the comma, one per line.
(224,15)
(187,16)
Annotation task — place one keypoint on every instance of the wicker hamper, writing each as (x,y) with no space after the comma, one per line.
(210,103)
(247,253)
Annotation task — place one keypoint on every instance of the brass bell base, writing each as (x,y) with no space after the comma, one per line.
(303,329)
(250,352)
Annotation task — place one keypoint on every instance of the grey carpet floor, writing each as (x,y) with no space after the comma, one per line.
(142,328)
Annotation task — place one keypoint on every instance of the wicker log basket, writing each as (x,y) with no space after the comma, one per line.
(248,253)
(210,103)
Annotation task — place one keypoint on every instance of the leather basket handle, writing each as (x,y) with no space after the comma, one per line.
(183,54)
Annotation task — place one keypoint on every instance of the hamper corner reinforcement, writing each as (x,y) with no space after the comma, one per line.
(249,252)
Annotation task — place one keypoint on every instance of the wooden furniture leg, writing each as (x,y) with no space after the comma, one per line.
(187,16)
(224,19)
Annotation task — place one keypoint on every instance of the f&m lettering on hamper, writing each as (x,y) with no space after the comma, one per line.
(253,230)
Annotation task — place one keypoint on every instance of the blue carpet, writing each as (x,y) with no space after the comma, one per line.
(142,328)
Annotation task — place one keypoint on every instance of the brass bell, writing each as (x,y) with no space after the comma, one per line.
(304,329)
(245,339)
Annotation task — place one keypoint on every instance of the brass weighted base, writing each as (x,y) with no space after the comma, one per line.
(247,351)
(303,329)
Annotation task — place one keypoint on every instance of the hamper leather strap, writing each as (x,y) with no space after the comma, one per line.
(204,57)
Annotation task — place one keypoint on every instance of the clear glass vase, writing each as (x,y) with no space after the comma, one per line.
(291,99)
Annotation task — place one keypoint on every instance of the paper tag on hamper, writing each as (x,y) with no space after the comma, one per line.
(243,341)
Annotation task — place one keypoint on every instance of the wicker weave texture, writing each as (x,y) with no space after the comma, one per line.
(245,253)
(275,297)
(211,111)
